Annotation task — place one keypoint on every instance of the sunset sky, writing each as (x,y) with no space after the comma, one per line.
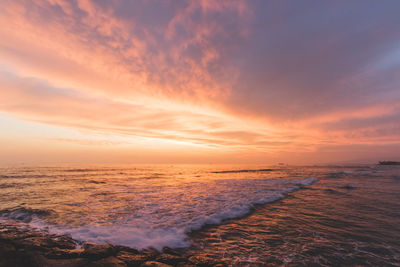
(199,81)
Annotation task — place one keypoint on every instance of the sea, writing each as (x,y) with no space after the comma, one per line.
(247,215)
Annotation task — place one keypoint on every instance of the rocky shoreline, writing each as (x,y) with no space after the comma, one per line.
(24,247)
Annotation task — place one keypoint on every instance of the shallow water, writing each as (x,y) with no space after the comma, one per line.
(283,215)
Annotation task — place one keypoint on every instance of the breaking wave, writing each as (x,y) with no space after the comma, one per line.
(165,218)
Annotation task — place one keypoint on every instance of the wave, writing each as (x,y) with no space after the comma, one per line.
(82,170)
(93,170)
(9,185)
(23,214)
(340,173)
(96,182)
(157,224)
(239,171)
(348,186)
(335,174)
(26,176)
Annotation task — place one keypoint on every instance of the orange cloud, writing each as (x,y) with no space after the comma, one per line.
(221,75)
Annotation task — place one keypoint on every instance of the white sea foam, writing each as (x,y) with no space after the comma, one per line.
(148,215)
(126,235)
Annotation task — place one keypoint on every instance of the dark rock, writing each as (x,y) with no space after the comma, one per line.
(204,261)
(185,264)
(96,252)
(64,242)
(41,242)
(78,262)
(7,254)
(132,259)
(32,259)
(127,249)
(16,235)
(170,259)
(57,253)
(6,248)
(108,262)
(155,264)
(152,253)
(87,245)
(171,251)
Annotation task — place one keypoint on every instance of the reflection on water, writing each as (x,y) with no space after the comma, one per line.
(350,217)
(337,216)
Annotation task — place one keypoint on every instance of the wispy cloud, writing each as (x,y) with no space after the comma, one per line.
(229,75)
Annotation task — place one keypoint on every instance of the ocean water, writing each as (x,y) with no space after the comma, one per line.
(247,215)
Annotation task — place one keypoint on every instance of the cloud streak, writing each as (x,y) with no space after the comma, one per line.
(269,78)
(36,100)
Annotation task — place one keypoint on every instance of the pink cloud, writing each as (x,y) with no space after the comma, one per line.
(248,75)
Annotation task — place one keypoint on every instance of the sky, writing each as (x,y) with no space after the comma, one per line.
(170,81)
